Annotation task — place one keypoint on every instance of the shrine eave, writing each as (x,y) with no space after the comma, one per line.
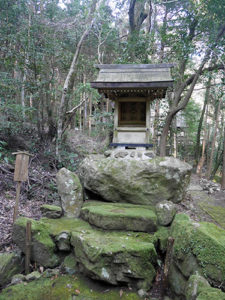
(132,85)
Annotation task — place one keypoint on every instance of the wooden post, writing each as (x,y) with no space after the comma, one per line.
(167,263)
(16,207)
(20,175)
(28,247)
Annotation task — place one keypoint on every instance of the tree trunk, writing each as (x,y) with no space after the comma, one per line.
(202,159)
(217,113)
(178,104)
(223,169)
(207,93)
(69,78)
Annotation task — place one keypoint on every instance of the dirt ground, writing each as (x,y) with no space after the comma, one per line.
(39,189)
(201,205)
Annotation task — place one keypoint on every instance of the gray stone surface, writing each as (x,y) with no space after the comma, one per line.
(165,212)
(63,241)
(70,191)
(137,181)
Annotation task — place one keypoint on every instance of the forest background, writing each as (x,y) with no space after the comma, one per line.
(48,50)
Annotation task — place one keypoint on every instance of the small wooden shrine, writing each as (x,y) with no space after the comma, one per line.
(133,87)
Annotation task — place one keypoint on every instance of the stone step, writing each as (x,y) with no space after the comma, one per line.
(116,257)
(120,216)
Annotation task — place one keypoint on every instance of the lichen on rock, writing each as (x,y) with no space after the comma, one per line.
(70,191)
(135,181)
(116,257)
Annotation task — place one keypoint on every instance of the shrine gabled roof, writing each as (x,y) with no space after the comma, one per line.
(133,76)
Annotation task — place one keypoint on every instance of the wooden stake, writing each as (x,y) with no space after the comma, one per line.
(16,207)
(28,247)
(167,262)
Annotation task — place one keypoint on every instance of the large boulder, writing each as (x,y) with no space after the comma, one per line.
(116,257)
(120,216)
(197,247)
(43,248)
(10,264)
(70,191)
(49,236)
(137,181)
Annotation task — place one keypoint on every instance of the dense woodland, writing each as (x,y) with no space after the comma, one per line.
(47,57)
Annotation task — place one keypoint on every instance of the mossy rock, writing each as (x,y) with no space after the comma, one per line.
(64,288)
(116,257)
(51,211)
(69,265)
(10,264)
(120,217)
(211,294)
(135,181)
(57,226)
(43,247)
(162,235)
(44,233)
(205,242)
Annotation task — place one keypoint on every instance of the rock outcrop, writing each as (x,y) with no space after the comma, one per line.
(70,191)
(198,247)
(143,181)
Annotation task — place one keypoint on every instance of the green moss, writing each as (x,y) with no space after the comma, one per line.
(116,256)
(216,212)
(124,205)
(210,294)
(51,207)
(56,226)
(113,210)
(10,264)
(205,241)
(162,235)
(114,241)
(39,231)
(64,287)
